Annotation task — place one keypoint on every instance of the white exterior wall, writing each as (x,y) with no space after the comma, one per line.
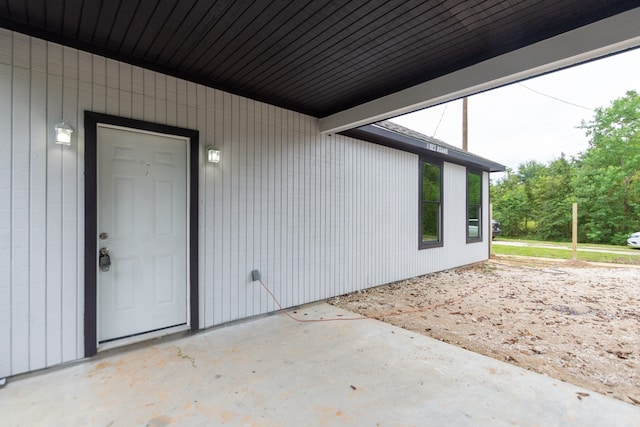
(318,216)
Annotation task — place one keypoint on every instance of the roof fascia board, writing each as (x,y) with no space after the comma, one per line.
(601,38)
(388,138)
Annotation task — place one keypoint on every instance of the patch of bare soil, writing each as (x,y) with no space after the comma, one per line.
(576,322)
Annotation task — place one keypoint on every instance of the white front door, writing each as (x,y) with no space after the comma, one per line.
(142,223)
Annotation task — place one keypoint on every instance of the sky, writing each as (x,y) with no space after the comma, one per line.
(513,124)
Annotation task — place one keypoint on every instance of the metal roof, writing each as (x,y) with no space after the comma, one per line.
(318,57)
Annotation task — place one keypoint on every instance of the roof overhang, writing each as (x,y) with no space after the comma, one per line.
(348,63)
(382,136)
(593,41)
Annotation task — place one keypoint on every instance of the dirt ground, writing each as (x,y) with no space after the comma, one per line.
(576,322)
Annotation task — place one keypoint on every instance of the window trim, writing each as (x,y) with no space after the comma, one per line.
(481,227)
(440,242)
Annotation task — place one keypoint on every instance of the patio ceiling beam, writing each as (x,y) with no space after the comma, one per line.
(601,38)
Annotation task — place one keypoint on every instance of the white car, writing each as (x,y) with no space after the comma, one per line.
(634,240)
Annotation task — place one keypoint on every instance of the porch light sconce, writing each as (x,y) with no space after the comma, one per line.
(63,133)
(213,155)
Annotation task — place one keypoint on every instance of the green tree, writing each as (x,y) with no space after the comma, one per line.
(529,174)
(553,193)
(607,179)
(510,204)
(515,201)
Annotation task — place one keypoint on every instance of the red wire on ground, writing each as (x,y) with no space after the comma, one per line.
(364,317)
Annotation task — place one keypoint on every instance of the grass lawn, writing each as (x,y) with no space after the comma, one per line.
(562,250)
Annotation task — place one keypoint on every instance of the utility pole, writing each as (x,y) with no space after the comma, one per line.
(465,126)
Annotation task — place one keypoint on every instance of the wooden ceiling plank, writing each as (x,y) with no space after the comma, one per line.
(586,43)
(89,22)
(121,24)
(328,51)
(170,31)
(389,61)
(320,57)
(196,26)
(386,60)
(337,96)
(254,35)
(55,11)
(216,48)
(4,9)
(299,62)
(160,21)
(363,47)
(185,36)
(108,14)
(305,29)
(18,11)
(320,74)
(35,12)
(411,65)
(137,25)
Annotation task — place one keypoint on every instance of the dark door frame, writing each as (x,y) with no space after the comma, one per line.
(91,121)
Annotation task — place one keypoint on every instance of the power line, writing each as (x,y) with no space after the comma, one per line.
(556,98)
(440,121)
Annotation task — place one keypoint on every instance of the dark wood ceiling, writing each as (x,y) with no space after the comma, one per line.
(313,56)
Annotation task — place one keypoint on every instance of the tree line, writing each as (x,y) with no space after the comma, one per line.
(535,201)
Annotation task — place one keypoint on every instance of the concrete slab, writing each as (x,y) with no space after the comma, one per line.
(273,371)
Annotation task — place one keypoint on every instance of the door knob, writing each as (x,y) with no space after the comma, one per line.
(104,261)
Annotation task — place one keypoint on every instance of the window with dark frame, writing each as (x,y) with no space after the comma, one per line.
(474,206)
(430,203)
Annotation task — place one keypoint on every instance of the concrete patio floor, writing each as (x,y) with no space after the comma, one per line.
(272,371)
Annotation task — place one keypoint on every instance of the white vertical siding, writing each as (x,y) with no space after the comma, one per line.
(317,215)
(37,201)
(6,183)
(20,204)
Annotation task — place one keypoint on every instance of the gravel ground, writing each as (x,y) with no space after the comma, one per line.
(573,321)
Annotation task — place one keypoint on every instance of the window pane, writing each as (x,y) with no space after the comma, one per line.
(474,189)
(474,204)
(430,222)
(473,221)
(430,182)
(430,203)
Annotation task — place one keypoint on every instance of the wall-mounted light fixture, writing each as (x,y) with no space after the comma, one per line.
(63,133)
(213,155)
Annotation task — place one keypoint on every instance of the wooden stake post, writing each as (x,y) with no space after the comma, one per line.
(574,232)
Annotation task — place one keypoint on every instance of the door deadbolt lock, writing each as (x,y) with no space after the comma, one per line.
(104,260)
(104,236)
